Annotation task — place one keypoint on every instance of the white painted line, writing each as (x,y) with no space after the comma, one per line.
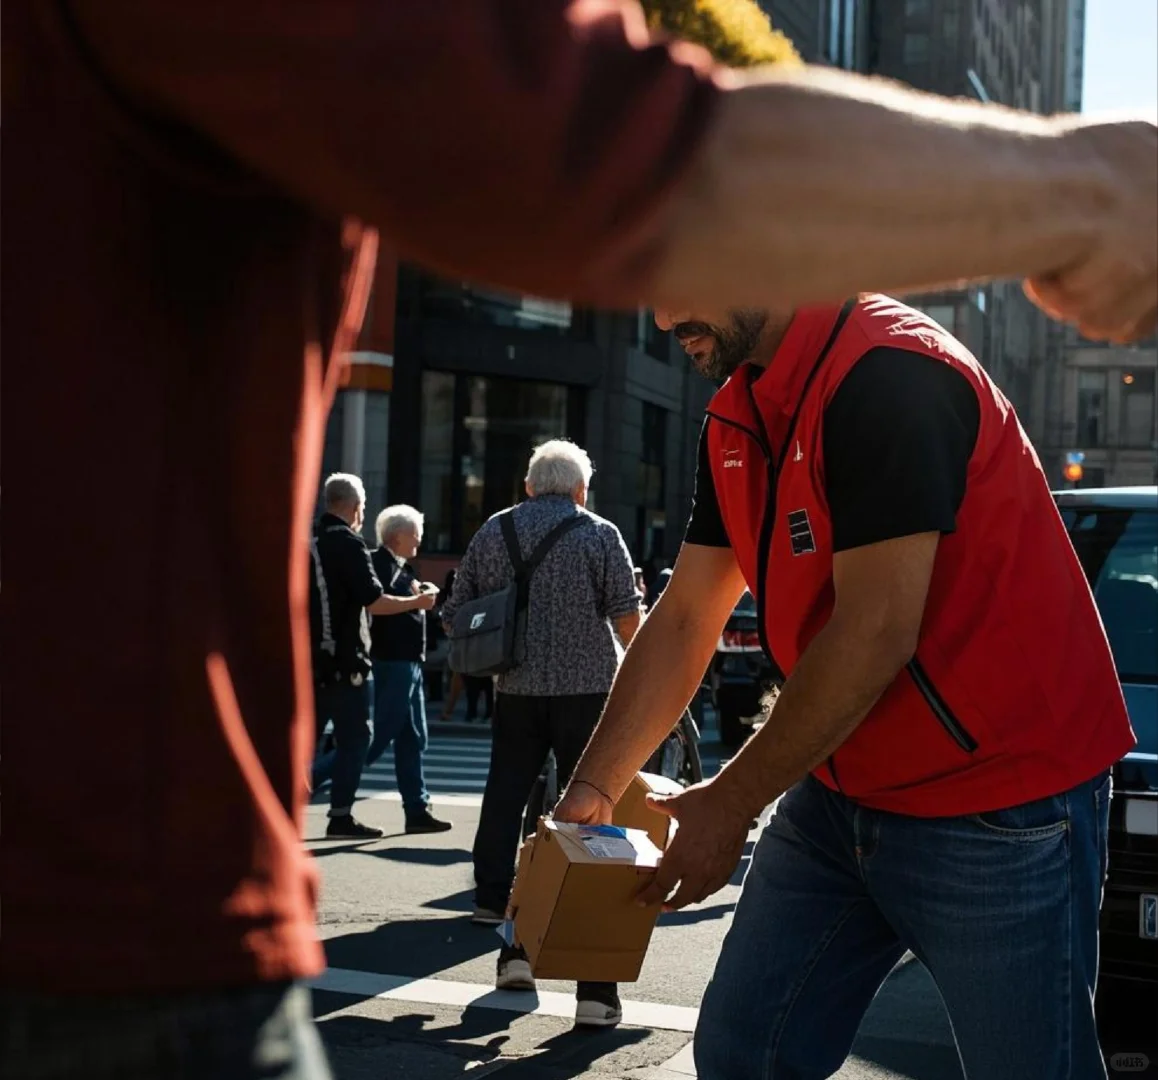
(438,798)
(450,770)
(446,753)
(367,984)
(683,1064)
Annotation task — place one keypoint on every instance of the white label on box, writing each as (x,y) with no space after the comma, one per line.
(610,847)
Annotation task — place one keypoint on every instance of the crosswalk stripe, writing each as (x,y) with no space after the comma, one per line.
(437,797)
(430,768)
(366,984)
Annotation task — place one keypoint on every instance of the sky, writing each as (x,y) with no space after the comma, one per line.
(1121,61)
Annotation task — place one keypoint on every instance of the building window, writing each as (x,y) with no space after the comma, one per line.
(477,436)
(462,300)
(437,455)
(1091,408)
(651,520)
(916,49)
(917,9)
(951,27)
(1137,408)
(650,338)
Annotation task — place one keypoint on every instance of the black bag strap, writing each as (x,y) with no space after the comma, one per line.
(524,568)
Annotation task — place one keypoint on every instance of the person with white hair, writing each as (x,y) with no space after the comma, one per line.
(582,595)
(344,591)
(397,651)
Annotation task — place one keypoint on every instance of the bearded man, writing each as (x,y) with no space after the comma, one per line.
(939,753)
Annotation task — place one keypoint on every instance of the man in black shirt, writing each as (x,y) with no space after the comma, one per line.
(898,435)
(397,650)
(864,478)
(344,590)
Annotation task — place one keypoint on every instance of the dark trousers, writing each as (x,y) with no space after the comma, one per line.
(476,687)
(243,1033)
(523,730)
(348,708)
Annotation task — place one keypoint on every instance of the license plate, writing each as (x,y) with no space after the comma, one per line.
(1148,917)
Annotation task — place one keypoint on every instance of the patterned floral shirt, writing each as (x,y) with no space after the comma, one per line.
(585,582)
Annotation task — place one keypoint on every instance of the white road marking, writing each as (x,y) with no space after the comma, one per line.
(437,798)
(435,767)
(681,1065)
(368,984)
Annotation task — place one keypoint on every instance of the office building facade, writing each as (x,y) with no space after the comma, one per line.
(448,396)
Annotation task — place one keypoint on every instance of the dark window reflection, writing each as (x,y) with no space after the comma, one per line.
(477,436)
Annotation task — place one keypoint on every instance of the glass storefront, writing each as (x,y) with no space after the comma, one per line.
(464,301)
(651,519)
(477,433)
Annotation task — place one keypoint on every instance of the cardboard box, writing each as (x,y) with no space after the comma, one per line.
(574,901)
(632,811)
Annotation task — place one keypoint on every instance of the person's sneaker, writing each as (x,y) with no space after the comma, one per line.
(426,822)
(485,916)
(514,971)
(347,827)
(597,1005)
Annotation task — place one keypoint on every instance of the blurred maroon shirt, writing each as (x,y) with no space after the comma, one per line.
(182,259)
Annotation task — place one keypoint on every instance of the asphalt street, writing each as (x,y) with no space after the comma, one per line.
(409,988)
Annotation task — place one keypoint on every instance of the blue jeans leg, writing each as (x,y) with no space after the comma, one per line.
(348,706)
(400,718)
(806,952)
(1003,910)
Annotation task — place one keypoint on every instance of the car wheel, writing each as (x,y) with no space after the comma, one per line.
(732,731)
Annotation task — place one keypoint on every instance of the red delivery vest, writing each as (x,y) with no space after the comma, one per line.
(1012,694)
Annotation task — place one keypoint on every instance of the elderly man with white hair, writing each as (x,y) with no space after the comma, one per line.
(397,651)
(344,590)
(580,597)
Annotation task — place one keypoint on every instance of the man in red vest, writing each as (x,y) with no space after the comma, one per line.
(941,746)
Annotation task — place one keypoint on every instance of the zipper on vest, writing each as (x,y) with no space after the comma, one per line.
(764,542)
(940,709)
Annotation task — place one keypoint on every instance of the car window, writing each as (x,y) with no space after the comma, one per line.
(1118,549)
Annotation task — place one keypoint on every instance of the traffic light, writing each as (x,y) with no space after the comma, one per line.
(1073,472)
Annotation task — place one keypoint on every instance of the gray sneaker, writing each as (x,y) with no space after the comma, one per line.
(597,1005)
(514,971)
(484,916)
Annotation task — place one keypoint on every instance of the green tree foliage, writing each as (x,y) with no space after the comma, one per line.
(736,32)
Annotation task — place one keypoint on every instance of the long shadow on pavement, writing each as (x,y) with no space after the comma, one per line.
(695,915)
(421,856)
(459,901)
(415,1043)
(409,1045)
(569,1055)
(413,948)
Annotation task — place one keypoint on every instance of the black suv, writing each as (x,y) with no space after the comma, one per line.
(1115,533)
(740,675)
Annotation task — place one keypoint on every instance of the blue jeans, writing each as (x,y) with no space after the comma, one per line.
(247,1033)
(400,718)
(348,708)
(1002,908)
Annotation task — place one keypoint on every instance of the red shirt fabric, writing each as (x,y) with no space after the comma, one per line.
(1012,695)
(183,261)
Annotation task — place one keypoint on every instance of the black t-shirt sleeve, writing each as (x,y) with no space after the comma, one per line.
(898,436)
(358,571)
(706,523)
